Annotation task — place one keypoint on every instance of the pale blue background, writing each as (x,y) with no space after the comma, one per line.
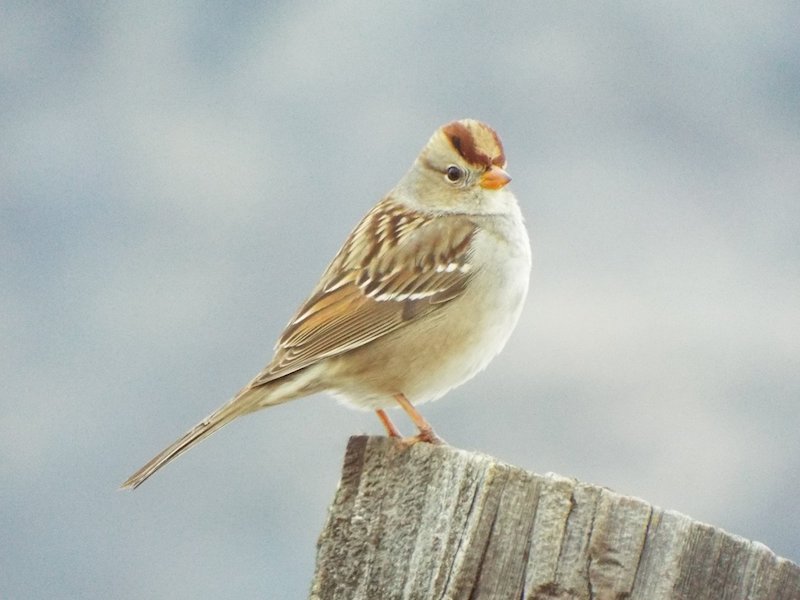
(173,179)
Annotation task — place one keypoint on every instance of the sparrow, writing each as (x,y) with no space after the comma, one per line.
(423,294)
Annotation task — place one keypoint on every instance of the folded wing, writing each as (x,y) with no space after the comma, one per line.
(397,266)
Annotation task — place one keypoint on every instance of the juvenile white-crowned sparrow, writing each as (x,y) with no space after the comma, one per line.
(422,295)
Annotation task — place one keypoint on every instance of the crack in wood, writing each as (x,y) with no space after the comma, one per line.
(437,522)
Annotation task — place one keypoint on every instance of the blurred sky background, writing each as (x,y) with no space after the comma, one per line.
(174,177)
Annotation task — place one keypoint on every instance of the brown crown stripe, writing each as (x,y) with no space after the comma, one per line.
(464,143)
(500,159)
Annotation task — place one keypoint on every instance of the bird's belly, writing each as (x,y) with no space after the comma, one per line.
(426,359)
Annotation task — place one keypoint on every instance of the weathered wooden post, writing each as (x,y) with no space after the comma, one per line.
(425,522)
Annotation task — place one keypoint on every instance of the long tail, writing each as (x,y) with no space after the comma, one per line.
(248,400)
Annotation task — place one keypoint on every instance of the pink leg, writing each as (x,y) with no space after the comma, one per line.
(426,432)
(387,423)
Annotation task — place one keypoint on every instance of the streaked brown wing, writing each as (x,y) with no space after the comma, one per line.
(365,294)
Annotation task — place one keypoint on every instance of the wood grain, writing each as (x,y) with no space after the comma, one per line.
(429,521)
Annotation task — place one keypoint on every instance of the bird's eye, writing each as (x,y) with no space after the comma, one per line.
(453,173)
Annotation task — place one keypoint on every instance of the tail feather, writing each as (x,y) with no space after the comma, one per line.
(243,403)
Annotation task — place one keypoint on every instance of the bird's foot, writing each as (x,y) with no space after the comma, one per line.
(427,435)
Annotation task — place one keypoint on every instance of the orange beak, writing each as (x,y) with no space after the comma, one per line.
(494,179)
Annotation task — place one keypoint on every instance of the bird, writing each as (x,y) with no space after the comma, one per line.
(422,295)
